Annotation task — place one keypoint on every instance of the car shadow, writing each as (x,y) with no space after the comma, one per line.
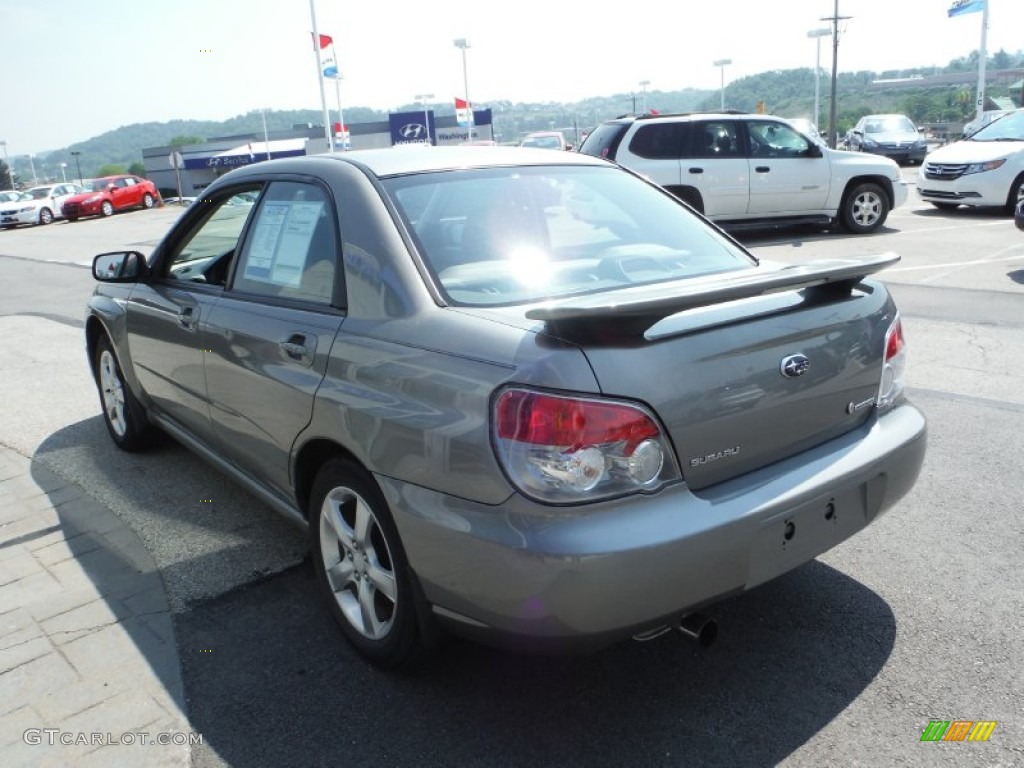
(797,236)
(269,680)
(971,213)
(240,535)
(790,657)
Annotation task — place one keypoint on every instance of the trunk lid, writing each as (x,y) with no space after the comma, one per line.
(743,377)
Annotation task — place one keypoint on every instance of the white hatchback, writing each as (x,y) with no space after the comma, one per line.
(986,169)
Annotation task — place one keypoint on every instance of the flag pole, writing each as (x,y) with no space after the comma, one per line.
(337,93)
(982,56)
(320,77)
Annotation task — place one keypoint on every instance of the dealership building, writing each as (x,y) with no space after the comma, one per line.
(198,165)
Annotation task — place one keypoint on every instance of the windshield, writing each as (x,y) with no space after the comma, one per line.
(519,235)
(1007,128)
(39,193)
(890,124)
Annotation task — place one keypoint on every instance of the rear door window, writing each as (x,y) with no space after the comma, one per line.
(660,141)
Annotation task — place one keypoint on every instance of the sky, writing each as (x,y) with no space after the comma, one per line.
(75,69)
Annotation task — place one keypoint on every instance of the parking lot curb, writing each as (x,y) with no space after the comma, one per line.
(89,669)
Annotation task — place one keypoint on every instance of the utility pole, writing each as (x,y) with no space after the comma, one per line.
(835,18)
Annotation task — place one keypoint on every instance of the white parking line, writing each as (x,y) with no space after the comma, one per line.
(948,269)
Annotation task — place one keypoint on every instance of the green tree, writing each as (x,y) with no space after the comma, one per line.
(138,169)
(110,169)
(181,141)
(6,182)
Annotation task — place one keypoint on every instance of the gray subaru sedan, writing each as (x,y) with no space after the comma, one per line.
(525,396)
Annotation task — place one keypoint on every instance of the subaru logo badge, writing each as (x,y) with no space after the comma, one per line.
(794,365)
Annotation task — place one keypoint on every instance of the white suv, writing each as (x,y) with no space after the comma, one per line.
(752,171)
(985,169)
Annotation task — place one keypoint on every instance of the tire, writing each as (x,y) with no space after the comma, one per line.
(45,216)
(365,576)
(72,219)
(107,208)
(1014,195)
(122,413)
(946,206)
(865,208)
(147,200)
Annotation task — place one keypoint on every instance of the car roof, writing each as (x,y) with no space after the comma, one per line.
(405,159)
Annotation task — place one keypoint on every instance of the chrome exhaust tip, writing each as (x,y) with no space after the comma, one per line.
(699,628)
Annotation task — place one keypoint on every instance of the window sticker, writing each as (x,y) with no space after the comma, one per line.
(280,242)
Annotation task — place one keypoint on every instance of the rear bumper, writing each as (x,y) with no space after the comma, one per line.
(554,579)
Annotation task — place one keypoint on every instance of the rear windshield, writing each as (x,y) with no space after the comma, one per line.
(604,140)
(518,235)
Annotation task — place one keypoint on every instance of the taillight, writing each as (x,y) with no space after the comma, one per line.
(894,365)
(563,449)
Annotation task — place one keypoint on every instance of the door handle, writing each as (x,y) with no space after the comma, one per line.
(762,169)
(696,169)
(294,349)
(186,318)
(299,347)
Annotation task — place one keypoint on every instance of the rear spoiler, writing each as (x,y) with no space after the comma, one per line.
(631,311)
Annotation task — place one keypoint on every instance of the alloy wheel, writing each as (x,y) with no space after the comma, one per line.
(112,390)
(358,564)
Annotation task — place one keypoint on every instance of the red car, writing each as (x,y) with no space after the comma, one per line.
(109,194)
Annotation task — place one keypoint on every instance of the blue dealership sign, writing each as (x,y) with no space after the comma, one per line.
(412,127)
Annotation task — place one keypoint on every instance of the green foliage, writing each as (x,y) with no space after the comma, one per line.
(181,141)
(6,182)
(138,169)
(110,169)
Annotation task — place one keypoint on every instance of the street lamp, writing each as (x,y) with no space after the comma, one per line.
(818,34)
(644,84)
(422,99)
(79,167)
(63,176)
(463,43)
(7,163)
(721,68)
(32,165)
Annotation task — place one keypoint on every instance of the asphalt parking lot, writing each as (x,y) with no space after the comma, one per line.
(842,662)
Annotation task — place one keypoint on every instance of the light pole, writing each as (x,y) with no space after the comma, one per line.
(643,85)
(7,163)
(422,99)
(463,43)
(818,34)
(78,165)
(721,68)
(63,176)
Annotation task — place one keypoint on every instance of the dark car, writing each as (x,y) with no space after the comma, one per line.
(893,136)
(110,194)
(525,395)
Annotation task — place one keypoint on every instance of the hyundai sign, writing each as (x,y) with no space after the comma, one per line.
(412,127)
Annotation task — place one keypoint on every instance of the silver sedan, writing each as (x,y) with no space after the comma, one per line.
(525,396)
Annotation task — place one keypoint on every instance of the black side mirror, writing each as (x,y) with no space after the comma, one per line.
(120,267)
